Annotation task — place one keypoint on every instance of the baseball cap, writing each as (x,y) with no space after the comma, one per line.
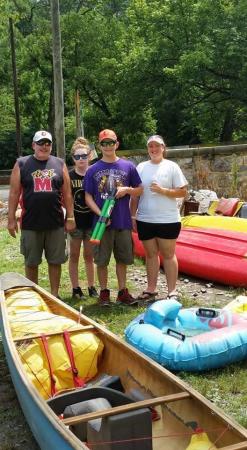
(42,134)
(156,138)
(107,134)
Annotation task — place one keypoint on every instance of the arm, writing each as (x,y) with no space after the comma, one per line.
(171,193)
(126,190)
(91,204)
(68,200)
(14,196)
(133,208)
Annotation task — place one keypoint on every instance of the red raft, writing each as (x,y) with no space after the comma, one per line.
(213,254)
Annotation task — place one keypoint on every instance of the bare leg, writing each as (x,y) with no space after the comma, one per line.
(121,271)
(167,250)
(102,276)
(32,273)
(54,277)
(152,264)
(89,264)
(74,255)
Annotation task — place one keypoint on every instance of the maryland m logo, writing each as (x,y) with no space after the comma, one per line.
(42,180)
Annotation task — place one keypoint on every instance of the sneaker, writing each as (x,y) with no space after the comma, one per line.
(77,293)
(125,298)
(92,292)
(104,297)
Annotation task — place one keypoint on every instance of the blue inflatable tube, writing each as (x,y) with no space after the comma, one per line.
(194,339)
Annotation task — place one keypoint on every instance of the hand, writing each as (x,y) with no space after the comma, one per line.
(108,222)
(70,225)
(12,227)
(155,187)
(122,191)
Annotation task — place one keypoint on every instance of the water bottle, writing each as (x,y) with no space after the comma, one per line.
(154,180)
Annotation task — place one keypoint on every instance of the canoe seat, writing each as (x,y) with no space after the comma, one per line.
(59,403)
(129,425)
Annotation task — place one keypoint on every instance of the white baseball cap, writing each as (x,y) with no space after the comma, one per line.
(156,138)
(42,134)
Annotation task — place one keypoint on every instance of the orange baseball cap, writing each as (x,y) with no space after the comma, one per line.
(107,134)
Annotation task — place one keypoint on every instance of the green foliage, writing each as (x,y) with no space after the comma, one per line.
(176,67)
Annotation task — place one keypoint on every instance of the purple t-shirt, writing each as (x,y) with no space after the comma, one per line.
(102,178)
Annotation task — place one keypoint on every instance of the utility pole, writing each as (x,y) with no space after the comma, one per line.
(16,93)
(58,79)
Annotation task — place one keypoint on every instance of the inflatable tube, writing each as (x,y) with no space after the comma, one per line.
(194,339)
(212,254)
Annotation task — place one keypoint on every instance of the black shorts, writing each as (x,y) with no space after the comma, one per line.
(147,230)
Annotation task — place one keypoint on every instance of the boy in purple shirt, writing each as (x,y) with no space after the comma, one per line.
(102,178)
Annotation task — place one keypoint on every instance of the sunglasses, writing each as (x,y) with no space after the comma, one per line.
(41,143)
(81,156)
(107,143)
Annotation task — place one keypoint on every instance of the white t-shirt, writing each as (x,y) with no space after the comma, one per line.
(154,207)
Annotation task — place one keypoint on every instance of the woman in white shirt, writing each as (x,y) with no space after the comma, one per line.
(156,217)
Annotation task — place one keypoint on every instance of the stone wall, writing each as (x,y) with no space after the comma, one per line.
(222,169)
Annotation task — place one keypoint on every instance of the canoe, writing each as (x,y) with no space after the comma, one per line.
(189,339)
(219,222)
(212,254)
(146,407)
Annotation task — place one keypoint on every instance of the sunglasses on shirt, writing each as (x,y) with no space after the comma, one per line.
(81,156)
(107,143)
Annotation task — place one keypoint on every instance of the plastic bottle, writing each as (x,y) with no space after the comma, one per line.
(200,441)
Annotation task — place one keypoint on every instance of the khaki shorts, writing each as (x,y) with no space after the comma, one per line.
(117,241)
(51,242)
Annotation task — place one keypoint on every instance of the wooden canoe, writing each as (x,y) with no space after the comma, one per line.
(179,407)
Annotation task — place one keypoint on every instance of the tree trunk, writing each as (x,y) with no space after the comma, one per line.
(16,93)
(78,115)
(228,127)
